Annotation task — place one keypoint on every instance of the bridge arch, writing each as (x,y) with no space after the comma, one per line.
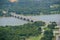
(32,21)
(24,18)
(27,20)
(21,17)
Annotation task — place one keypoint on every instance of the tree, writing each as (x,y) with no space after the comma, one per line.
(48,35)
(52,25)
(3,34)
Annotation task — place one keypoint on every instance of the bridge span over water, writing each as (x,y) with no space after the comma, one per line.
(22,17)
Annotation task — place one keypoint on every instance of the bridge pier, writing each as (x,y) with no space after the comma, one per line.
(22,18)
(12,15)
(27,20)
(32,21)
(15,16)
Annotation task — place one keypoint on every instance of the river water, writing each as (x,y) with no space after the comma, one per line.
(14,21)
(11,21)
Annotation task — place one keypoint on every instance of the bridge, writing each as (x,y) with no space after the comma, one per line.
(22,17)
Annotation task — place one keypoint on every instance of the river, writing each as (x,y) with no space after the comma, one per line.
(14,21)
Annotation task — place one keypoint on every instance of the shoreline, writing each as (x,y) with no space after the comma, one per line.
(39,15)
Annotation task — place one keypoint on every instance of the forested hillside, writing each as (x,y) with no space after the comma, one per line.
(31,6)
(24,32)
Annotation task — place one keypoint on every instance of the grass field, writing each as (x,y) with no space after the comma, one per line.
(35,38)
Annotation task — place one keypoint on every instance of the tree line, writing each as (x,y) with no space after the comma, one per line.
(25,31)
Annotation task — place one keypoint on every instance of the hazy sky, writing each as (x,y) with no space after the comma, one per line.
(13,0)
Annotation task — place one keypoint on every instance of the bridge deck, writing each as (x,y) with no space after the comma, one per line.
(26,18)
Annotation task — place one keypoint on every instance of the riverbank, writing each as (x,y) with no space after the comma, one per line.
(39,14)
(29,31)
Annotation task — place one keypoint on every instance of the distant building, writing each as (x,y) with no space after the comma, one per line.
(57,33)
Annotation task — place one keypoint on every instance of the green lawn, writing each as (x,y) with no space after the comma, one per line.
(35,38)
